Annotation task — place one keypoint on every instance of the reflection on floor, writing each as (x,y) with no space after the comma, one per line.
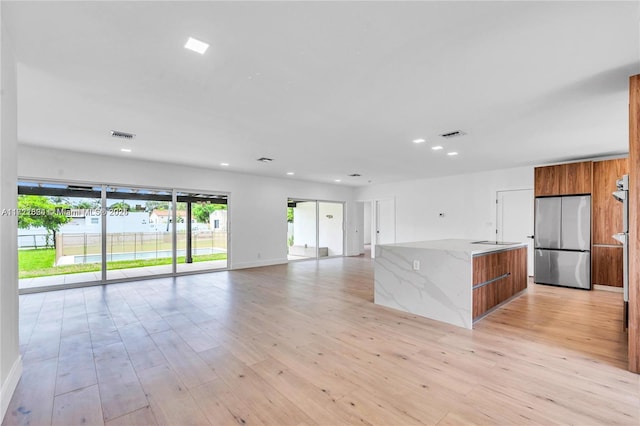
(118,274)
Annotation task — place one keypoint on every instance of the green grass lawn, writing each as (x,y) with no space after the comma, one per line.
(30,260)
(39,263)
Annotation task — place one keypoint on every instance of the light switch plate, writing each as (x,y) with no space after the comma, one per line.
(416,265)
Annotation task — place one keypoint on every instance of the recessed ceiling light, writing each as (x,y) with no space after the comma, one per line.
(452,153)
(196,45)
(338,180)
(419,141)
(436,148)
(290,173)
(125,150)
(224,164)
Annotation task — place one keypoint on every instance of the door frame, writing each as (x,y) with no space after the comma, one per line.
(529,255)
(374,220)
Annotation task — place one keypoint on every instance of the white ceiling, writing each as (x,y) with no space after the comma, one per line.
(328,88)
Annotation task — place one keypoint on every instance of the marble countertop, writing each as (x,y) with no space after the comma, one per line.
(460,245)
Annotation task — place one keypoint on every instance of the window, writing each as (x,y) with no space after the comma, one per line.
(105,233)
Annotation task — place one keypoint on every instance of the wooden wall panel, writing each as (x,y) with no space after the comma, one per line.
(547,180)
(606,211)
(576,178)
(563,179)
(606,266)
(518,269)
(634,223)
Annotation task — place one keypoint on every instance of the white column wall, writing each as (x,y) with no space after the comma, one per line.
(257,208)
(10,362)
(467,203)
(366,227)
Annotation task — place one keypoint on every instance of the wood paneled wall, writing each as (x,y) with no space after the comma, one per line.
(547,180)
(634,223)
(607,212)
(606,266)
(606,219)
(563,179)
(576,178)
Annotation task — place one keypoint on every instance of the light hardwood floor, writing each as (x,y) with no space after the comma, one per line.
(303,344)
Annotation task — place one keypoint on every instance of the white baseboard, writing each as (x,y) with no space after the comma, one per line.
(9,386)
(256,264)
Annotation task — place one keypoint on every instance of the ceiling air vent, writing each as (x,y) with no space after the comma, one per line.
(265,159)
(123,135)
(453,134)
(355,175)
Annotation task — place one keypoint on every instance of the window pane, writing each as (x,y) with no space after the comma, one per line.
(201,231)
(331,228)
(301,238)
(58,241)
(139,229)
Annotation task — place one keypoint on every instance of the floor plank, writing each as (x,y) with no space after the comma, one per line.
(80,407)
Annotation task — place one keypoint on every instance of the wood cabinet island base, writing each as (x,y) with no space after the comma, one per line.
(454,281)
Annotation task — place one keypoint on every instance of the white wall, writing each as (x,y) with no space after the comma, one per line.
(467,201)
(366,224)
(10,362)
(257,206)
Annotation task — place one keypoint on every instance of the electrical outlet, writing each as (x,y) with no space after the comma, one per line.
(416,265)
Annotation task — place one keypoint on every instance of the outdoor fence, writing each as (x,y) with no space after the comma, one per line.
(34,241)
(137,245)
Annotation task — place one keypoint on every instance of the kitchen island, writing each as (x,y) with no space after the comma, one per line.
(454,281)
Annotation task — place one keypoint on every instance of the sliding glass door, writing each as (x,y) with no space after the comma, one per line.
(139,229)
(330,225)
(315,229)
(302,229)
(202,233)
(59,238)
(70,234)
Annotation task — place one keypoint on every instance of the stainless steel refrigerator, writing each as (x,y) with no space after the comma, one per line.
(562,238)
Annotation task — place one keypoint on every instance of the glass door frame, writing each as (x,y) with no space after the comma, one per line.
(227,194)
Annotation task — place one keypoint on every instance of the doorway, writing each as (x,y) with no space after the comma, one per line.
(514,219)
(378,219)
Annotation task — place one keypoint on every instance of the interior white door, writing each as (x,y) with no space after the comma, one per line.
(385,221)
(514,219)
